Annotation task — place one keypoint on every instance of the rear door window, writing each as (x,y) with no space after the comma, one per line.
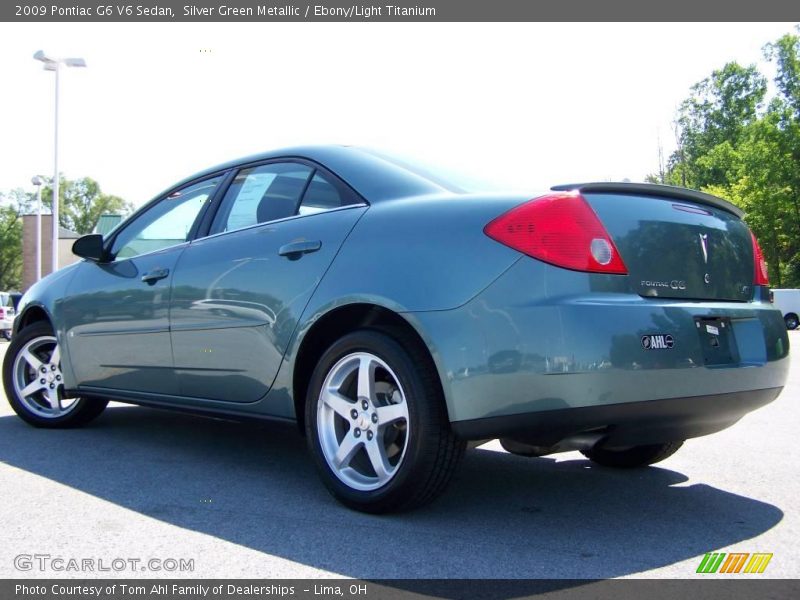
(326,193)
(262,194)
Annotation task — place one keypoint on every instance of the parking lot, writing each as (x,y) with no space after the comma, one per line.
(242,500)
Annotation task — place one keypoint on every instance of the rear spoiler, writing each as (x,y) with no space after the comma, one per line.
(651,189)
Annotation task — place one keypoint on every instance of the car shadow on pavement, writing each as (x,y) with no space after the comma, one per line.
(503,516)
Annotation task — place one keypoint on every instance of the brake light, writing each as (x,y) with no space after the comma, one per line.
(760,274)
(2,313)
(560,229)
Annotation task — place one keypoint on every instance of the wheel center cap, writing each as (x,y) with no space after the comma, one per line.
(364,421)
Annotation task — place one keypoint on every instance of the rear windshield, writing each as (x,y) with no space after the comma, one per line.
(457,179)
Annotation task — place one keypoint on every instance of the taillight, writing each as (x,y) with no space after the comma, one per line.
(760,274)
(560,229)
(2,313)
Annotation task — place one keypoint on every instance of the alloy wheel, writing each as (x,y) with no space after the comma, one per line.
(38,381)
(362,421)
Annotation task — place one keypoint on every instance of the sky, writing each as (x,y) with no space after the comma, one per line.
(528,104)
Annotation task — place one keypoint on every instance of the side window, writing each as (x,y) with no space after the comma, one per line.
(167,223)
(324,194)
(261,194)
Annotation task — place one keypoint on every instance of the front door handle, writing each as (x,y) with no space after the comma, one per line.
(295,250)
(155,275)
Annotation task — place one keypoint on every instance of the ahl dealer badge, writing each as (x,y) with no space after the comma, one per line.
(659,341)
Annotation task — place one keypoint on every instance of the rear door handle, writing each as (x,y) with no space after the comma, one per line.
(295,250)
(155,275)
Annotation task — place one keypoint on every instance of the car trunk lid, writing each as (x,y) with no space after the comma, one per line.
(677,244)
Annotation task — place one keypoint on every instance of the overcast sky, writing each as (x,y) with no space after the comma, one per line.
(529,104)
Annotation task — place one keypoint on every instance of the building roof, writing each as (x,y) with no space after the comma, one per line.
(66,234)
(106,223)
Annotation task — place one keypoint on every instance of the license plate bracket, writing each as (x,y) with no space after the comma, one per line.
(716,340)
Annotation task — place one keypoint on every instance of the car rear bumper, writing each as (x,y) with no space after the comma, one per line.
(626,424)
(546,345)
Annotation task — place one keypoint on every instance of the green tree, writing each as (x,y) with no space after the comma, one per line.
(734,143)
(11,207)
(712,122)
(82,202)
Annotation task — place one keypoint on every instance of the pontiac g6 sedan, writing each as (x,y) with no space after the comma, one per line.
(395,317)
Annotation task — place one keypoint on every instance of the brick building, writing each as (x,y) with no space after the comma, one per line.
(65,241)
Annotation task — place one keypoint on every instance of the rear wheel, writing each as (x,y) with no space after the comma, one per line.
(635,456)
(34,383)
(377,425)
(791,321)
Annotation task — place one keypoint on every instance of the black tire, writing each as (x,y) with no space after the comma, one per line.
(6,334)
(84,410)
(631,458)
(791,321)
(432,451)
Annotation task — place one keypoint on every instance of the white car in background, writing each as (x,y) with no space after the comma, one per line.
(7,315)
(788,302)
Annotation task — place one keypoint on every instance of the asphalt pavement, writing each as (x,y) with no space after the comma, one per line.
(242,500)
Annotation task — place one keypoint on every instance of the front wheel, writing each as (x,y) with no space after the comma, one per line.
(377,426)
(633,457)
(791,321)
(34,383)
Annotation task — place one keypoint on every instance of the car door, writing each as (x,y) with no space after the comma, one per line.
(238,293)
(117,313)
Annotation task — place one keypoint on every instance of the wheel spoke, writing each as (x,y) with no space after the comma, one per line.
(378,459)
(52,399)
(33,387)
(347,450)
(366,379)
(32,360)
(390,413)
(341,405)
(55,358)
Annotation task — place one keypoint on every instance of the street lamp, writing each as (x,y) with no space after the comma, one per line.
(54,64)
(37,181)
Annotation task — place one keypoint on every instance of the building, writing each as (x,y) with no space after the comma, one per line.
(65,240)
(106,223)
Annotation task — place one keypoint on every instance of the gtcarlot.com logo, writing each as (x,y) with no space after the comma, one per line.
(71,564)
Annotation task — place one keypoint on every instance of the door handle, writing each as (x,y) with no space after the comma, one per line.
(295,250)
(154,275)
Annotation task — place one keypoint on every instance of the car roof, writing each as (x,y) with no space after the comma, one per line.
(374,177)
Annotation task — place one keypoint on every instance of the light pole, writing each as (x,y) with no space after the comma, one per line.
(37,181)
(54,64)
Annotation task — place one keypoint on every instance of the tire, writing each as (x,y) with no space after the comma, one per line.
(30,351)
(397,451)
(631,458)
(791,321)
(6,334)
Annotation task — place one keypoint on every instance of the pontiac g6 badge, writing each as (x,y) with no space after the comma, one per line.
(659,341)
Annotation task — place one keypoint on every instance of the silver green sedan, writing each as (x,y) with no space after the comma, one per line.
(395,316)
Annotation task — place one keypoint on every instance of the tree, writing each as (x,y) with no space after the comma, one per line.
(735,144)
(81,202)
(713,120)
(11,207)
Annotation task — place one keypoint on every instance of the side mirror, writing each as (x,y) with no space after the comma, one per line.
(91,247)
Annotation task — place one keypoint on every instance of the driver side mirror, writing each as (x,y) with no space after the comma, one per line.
(91,247)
